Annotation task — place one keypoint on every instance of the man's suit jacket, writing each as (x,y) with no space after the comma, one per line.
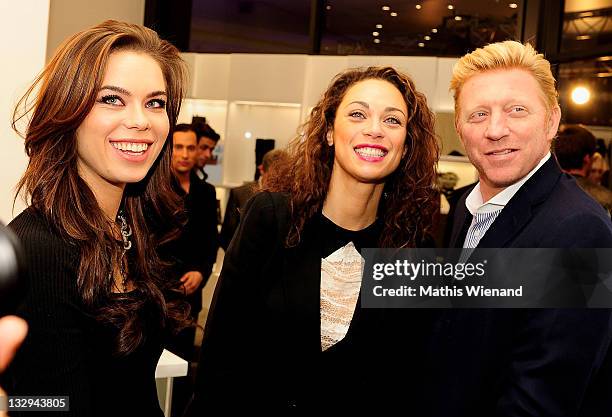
(196,247)
(236,202)
(530,362)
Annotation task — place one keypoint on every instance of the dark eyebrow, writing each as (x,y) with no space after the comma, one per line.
(364,104)
(127,93)
(395,109)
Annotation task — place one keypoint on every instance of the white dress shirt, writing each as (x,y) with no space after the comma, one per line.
(485,213)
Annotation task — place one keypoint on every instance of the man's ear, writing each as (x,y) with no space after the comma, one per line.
(587,161)
(553,122)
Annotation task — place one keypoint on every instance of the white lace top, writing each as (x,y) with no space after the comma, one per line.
(341,274)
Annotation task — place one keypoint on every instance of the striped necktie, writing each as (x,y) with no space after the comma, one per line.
(480,225)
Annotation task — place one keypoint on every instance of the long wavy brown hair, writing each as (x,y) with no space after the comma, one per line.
(409,197)
(56,104)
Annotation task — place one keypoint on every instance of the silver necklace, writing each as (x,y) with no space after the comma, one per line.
(126,232)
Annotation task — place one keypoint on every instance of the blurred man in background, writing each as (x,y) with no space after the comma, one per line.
(240,195)
(575,148)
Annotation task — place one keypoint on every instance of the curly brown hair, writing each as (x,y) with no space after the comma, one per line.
(409,197)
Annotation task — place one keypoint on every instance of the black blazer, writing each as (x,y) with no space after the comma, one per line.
(196,247)
(539,362)
(236,202)
(261,348)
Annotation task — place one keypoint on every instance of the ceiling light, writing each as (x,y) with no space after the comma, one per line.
(328,7)
(421,44)
(248,135)
(418,7)
(434,30)
(580,95)
(393,14)
(450,7)
(458,18)
(386,8)
(513,5)
(379,26)
(376,40)
(427,38)
(583,37)
(375,33)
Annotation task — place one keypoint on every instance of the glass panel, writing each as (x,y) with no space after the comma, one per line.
(586,24)
(428,27)
(585,91)
(270,26)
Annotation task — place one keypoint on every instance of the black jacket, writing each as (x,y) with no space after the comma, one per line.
(196,247)
(539,362)
(262,348)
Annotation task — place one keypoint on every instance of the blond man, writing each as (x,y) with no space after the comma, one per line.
(540,362)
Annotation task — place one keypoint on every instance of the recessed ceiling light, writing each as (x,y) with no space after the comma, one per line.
(248,135)
(418,7)
(434,30)
(450,7)
(421,44)
(386,8)
(328,7)
(427,38)
(458,18)
(376,40)
(513,5)
(393,14)
(379,26)
(375,33)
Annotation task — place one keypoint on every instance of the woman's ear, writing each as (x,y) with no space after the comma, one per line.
(330,138)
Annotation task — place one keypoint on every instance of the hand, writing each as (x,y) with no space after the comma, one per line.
(191,281)
(12,332)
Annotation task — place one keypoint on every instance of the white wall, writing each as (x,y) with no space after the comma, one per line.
(67,17)
(262,121)
(23,30)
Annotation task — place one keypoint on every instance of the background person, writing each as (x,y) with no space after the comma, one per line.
(98,181)
(286,331)
(197,247)
(193,254)
(599,169)
(239,196)
(574,148)
(207,141)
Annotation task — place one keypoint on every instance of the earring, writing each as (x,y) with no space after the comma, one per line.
(330,139)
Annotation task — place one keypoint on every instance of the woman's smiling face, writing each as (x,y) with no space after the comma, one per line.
(127,127)
(369,131)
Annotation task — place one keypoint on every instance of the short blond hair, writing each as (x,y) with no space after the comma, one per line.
(505,55)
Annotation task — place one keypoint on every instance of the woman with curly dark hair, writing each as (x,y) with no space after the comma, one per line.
(98,181)
(286,329)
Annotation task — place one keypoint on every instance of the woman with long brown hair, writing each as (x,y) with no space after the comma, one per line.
(286,329)
(98,182)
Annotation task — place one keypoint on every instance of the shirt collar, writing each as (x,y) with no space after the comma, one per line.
(474,202)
